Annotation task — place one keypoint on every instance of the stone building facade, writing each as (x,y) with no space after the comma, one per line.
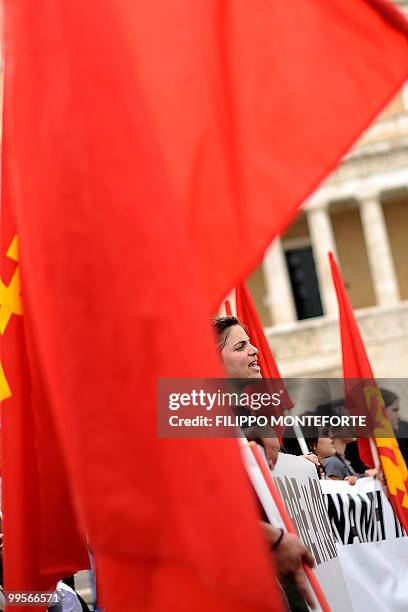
(360,213)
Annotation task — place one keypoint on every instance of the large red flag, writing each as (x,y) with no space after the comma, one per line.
(43,539)
(142,137)
(253,103)
(361,390)
(102,242)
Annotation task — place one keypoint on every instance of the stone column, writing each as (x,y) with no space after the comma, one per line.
(322,239)
(279,298)
(378,250)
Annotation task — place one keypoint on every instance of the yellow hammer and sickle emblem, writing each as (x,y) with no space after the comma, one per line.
(382,426)
(10,303)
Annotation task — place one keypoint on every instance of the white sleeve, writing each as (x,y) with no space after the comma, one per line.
(70,601)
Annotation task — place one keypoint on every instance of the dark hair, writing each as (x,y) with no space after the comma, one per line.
(322,432)
(330,408)
(334,408)
(388,396)
(290,443)
(222,327)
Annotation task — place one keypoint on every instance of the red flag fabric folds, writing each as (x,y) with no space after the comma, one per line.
(142,137)
(102,242)
(253,103)
(361,389)
(42,536)
(247,314)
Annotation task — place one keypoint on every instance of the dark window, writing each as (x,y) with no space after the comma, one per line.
(302,274)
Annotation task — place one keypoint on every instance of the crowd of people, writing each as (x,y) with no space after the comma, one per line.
(333,450)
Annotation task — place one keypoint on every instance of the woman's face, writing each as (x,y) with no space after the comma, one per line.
(325,448)
(239,355)
(393,414)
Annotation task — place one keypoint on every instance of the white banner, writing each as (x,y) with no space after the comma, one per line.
(369,571)
(372,548)
(297,482)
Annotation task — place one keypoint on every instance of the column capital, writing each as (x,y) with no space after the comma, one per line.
(368,195)
(316,202)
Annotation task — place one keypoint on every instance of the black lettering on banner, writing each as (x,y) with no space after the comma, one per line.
(399,530)
(354,515)
(337,516)
(306,508)
(290,502)
(356,518)
(366,522)
(377,504)
(292,506)
(301,519)
(315,528)
(372,520)
(319,512)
